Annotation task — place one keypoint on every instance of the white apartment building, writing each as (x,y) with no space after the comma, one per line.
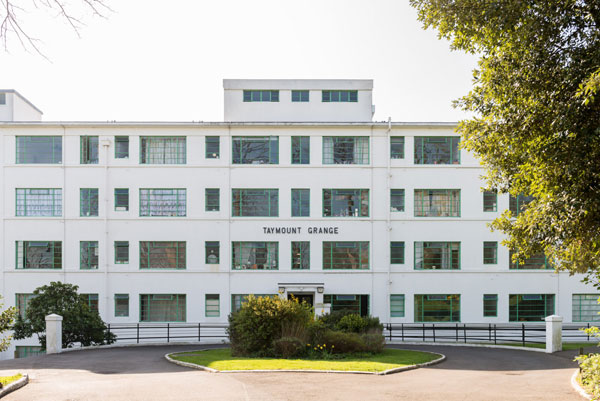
(297,192)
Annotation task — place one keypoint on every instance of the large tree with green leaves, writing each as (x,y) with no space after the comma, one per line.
(536,125)
(7,318)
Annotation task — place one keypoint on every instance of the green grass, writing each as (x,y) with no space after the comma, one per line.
(221,359)
(5,380)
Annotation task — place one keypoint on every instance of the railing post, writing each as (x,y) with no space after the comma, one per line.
(199,337)
(108,332)
(423,332)
(168,331)
(465,332)
(553,333)
(588,335)
(456,332)
(495,335)
(402,331)
(138,333)
(490,332)
(523,333)
(433,327)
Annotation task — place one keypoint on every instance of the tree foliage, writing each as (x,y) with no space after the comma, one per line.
(7,318)
(536,128)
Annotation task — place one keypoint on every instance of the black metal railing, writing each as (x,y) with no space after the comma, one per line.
(167,332)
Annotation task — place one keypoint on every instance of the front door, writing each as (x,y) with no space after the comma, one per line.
(309,298)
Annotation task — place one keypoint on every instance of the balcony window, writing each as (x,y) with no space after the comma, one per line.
(162,255)
(346,255)
(255,202)
(255,150)
(345,150)
(255,255)
(437,202)
(437,255)
(345,203)
(437,150)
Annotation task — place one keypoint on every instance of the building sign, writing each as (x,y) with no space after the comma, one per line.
(298,230)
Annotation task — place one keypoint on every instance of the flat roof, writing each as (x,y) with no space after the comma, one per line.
(22,97)
(317,84)
(191,124)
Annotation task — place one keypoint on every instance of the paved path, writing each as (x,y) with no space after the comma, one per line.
(142,373)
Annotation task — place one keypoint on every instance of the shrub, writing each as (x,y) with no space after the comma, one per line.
(330,320)
(590,372)
(340,342)
(373,342)
(289,347)
(372,324)
(351,324)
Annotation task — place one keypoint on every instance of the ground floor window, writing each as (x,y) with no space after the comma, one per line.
(24,351)
(162,307)
(530,307)
(397,305)
(437,307)
(22,302)
(121,305)
(586,308)
(238,299)
(490,305)
(212,305)
(358,304)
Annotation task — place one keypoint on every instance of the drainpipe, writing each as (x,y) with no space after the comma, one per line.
(389,213)
(105,146)
(228,247)
(64,206)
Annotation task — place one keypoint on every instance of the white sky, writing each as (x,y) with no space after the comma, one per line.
(154,60)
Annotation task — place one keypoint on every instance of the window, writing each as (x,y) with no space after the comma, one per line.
(255,255)
(162,150)
(358,304)
(121,147)
(39,149)
(261,96)
(39,254)
(345,203)
(3,98)
(25,351)
(211,249)
(437,308)
(121,305)
(490,305)
(397,305)
(22,302)
(163,202)
(518,204)
(535,262)
(255,149)
(490,201)
(121,199)
(162,255)
(397,147)
(300,255)
(255,202)
(39,202)
(530,307)
(346,255)
(211,199)
(213,147)
(397,253)
(300,202)
(339,96)
(437,255)
(300,150)
(88,202)
(162,307)
(585,308)
(490,253)
(121,252)
(88,149)
(92,301)
(212,306)
(397,200)
(345,150)
(88,255)
(300,96)
(437,202)
(437,150)
(238,299)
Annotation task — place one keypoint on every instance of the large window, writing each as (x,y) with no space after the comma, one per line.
(397,253)
(92,301)
(397,305)
(437,308)
(212,251)
(255,202)
(300,255)
(346,255)
(339,96)
(88,149)
(88,202)
(39,254)
(437,202)
(345,150)
(163,202)
(255,255)
(358,303)
(261,96)
(397,200)
(397,147)
(22,302)
(212,199)
(39,202)
(121,147)
(121,252)
(300,202)
(437,255)
(437,150)
(162,150)
(490,305)
(300,150)
(88,255)
(121,199)
(585,308)
(162,307)
(162,255)
(518,204)
(255,149)
(39,149)
(212,305)
(490,252)
(490,201)
(530,307)
(121,305)
(300,96)
(213,147)
(345,203)
(535,262)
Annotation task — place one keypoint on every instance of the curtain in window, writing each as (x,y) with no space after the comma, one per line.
(361,150)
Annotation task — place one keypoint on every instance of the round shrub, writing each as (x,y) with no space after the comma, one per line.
(343,343)
(351,324)
(288,347)
(373,342)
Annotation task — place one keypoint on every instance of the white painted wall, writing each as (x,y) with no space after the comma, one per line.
(17,108)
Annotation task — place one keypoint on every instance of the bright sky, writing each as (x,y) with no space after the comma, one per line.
(153,60)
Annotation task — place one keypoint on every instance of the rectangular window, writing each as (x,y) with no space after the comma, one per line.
(300,150)
(339,96)
(39,202)
(490,253)
(121,305)
(437,255)
(163,202)
(437,308)
(163,150)
(22,302)
(437,202)
(300,96)
(213,147)
(300,202)
(345,150)
(25,351)
(238,299)
(88,202)
(358,304)
(397,147)
(212,305)
(121,147)
(88,255)
(535,262)
(162,307)
(255,255)
(121,199)
(490,201)
(121,252)
(345,203)
(345,255)
(211,249)
(397,253)
(518,204)
(585,308)
(300,255)
(88,149)
(212,200)
(162,255)
(261,96)
(437,150)
(255,149)
(39,149)
(530,307)
(2,98)
(397,305)
(92,301)
(255,202)
(39,254)
(490,305)
(397,200)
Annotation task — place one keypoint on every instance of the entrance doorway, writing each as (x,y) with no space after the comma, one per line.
(307,297)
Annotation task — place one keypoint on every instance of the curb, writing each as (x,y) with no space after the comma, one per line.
(577,387)
(14,385)
(385,372)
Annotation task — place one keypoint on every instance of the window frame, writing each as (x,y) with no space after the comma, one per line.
(395,309)
(300,98)
(87,143)
(151,297)
(419,150)
(530,260)
(302,196)
(339,96)
(87,263)
(447,246)
(303,247)
(490,309)
(490,245)
(237,195)
(270,141)
(210,206)
(530,317)
(358,195)
(577,308)
(420,317)
(56,249)
(57,201)
(490,197)
(397,260)
(300,150)
(120,139)
(328,260)
(248,95)
(121,245)
(180,259)
(450,200)
(338,141)
(270,248)
(179,193)
(397,193)
(397,151)
(116,311)
(210,245)
(119,207)
(180,155)
(21,148)
(210,140)
(89,201)
(207,306)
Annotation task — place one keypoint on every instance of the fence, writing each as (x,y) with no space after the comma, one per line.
(168,332)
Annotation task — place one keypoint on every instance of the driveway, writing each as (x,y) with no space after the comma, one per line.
(142,373)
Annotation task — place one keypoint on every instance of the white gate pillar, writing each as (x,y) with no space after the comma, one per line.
(553,333)
(53,334)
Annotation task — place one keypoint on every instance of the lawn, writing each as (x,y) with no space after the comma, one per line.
(5,380)
(221,359)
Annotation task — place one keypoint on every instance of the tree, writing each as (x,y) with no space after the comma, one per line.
(80,324)
(7,317)
(536,127)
